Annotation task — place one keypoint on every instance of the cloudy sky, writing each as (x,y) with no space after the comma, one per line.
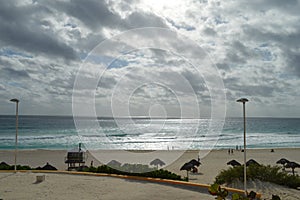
(253,45)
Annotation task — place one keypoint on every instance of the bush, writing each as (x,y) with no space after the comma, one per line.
(126,169)
(267,173)
(12,167)
(25,167)
(2,167)
(230,175)
(132,170)
(221,193)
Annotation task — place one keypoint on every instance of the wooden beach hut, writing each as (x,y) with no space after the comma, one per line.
(75,158)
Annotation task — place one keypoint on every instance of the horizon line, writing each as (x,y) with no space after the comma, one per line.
(145,117)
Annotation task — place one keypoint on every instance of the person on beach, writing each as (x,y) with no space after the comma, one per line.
(195,170)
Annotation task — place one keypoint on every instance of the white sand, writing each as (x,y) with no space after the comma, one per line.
(212,164)
(23,186)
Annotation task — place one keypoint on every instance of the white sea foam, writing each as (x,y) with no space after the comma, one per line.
(60,133)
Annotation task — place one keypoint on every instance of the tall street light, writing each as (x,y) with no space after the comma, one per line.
(16,141)
(244,100)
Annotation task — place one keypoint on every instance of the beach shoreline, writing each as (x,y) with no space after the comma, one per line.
(212,162)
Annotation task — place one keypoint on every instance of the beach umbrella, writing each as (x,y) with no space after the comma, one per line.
(251,162)
(48,167)
(282,161)
(188,167)
(157,162)
(195,162)
(292,165)
(234,163)
(114,163)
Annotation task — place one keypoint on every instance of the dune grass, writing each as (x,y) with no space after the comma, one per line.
(273,174)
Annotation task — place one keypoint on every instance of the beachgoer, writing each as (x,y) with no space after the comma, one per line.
(194,170)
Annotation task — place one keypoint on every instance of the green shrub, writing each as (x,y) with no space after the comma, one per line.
(230,175)
(12,167)
(90,169)
(131,170)
(268,173)
(221,193)
(216,190)
(6,167)
(25,167)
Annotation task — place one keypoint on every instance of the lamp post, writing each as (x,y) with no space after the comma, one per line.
(16,140)
(244,100)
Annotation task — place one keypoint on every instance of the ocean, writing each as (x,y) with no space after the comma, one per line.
(49,132)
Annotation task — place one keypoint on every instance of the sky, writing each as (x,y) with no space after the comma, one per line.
(55,53)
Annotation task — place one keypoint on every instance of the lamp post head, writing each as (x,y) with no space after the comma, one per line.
(15,100)
(242,100)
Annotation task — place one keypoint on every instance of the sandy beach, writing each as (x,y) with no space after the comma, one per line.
(212,163)
(23,186)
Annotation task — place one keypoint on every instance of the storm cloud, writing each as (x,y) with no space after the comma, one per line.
(254,45)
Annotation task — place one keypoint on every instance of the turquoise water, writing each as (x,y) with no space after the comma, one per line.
(45,132)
